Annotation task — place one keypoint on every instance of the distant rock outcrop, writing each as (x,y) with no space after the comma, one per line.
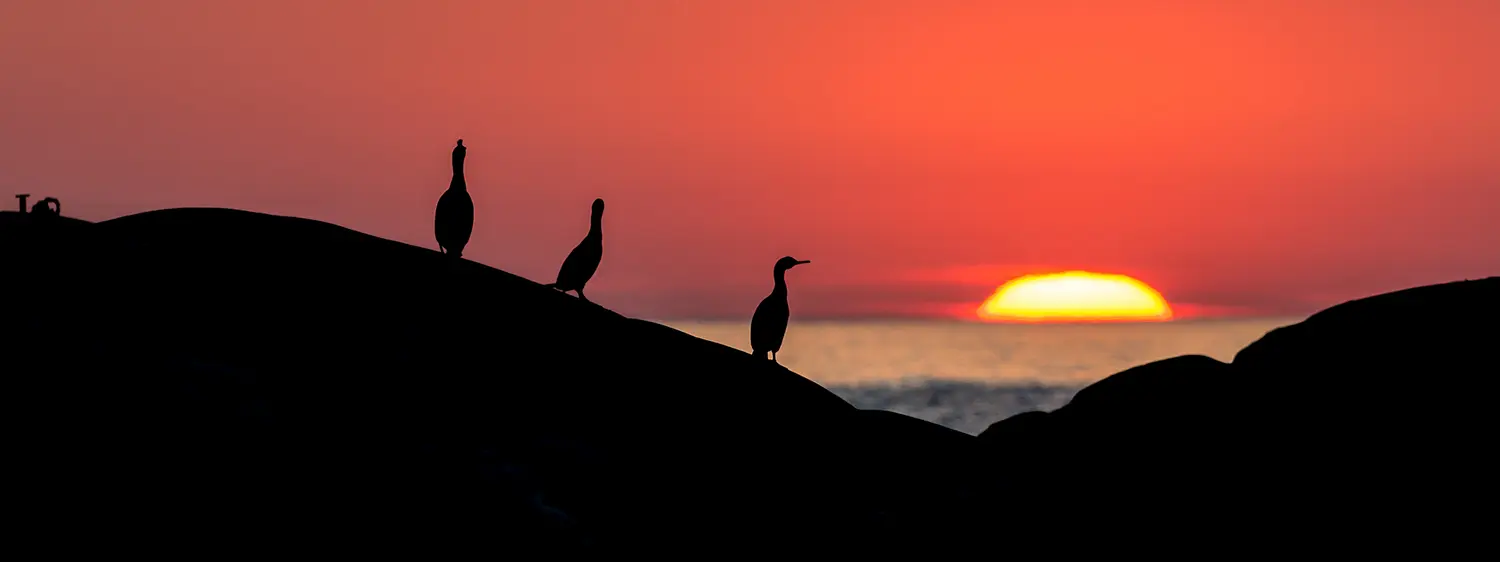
(224,377)
(1358,424)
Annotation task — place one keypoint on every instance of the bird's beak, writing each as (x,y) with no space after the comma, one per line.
(803,261)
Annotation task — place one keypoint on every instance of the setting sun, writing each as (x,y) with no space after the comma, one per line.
(1075,296)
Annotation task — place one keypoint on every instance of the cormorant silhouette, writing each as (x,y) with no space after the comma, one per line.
(583,261)
(454,221)
(768,326)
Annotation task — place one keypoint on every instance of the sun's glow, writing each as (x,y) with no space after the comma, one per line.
(1075,296)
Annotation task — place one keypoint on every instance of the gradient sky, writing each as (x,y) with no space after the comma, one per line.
(1266,157)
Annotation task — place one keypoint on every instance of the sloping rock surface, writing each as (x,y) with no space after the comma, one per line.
(193,377)
(317,380)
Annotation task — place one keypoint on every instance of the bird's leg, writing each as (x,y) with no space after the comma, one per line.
(580,295)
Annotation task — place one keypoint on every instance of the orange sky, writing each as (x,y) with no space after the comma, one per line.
(1260,157)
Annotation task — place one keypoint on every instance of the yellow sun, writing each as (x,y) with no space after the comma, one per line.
(1075,296)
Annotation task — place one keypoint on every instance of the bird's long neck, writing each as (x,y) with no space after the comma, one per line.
(596,227)
(458,174)
(780,288)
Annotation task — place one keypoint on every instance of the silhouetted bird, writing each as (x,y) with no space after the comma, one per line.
(768,326)
(454,221)
(583,261)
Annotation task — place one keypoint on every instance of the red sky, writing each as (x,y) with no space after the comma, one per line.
(1263,157)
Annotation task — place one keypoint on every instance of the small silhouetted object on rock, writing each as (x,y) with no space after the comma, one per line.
(768,326)
(47,207)
(454,221)
(583,261)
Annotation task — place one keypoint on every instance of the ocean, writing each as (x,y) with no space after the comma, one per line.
(968,375)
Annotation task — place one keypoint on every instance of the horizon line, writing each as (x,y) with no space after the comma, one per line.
(953,320)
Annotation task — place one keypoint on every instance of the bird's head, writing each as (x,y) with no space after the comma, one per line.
(598,207)
(789,262)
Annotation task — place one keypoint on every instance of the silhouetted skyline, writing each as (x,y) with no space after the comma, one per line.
(1248,158)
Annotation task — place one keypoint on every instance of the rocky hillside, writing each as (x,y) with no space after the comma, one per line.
(193,376)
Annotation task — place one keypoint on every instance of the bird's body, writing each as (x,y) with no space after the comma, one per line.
(768,325)
(583,261)
(454,221)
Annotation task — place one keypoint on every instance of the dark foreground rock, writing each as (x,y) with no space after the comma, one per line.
(205,376)
(201,372)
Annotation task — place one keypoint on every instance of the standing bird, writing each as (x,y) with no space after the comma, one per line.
(768,326)
(454,221)
(583,261)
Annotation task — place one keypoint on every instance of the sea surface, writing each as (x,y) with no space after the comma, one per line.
(968,375)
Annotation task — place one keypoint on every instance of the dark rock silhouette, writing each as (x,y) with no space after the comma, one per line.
(1129,417)
(1011,431)
(254,366)
(1320,422)
(248,379)
(768,325)
(454,220)
(33,232)
(583,261)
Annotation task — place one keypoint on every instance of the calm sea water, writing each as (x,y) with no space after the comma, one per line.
(969,375)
